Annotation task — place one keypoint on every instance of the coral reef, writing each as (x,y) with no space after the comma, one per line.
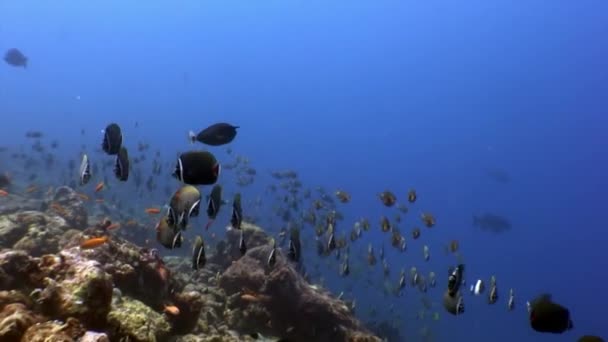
(53,290)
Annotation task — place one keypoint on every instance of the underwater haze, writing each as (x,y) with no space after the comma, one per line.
(480,106)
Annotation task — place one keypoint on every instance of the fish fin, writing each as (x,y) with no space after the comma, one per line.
(209,224)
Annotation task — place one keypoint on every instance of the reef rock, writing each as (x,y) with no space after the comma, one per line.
(15,319)
(55,331)
(43,233)
(134,320)
(226,252)
(32,231)
(90,336)
(78,288)
(18,271)
(68,204)
(15,203)
(289,301)
(10,231)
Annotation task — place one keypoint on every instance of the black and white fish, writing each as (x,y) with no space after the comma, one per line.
(112,139)
(85,170)
(197,168)
(121,167)
(198,254)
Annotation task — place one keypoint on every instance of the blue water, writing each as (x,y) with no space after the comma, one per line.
(362,96)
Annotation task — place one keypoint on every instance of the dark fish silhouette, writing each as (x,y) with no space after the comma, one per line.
(197,168)
(112,139)
(492,223)
(216,134)
(498,175)
(549,317)
(121,168)
(15,58)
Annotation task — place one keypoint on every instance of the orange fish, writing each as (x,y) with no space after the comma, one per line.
(94,242)
(3,193)
(113,226)
(171,310)
(249,298)
(31,189)
(58,208)
(83,197)
(99,187)
(152,210)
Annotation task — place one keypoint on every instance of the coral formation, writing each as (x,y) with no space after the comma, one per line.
(53,290)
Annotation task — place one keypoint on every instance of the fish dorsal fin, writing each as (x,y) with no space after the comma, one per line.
(180,169)
(176,239)
(193,208)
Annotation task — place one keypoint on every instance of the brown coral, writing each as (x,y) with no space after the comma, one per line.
(15,319)
(293,304)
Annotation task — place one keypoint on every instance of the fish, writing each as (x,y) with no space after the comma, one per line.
(511,302)
(99,186)
(167,236)
(492,223)
(3,193)
(237,212)
(402,280)
(85,170)
(214,204)
(15,57)
(371,259)
(294,245)
(456,276)
(345,271)
(152,211)
(385,224)
(415,233)
(216,135)
(112,139)
(428,219)
(454,246)
(412,196)
(171,310)
(453,303)
(242,245)
(478,287)
(426,253)
(272,256)
(388,198)
(94,242)
(498,175)
(493,294)
(343,196)
(197,168)
(121,167)
(5,179)
(198,253)
(184,204)
(590,338)
(432,279)
(546,316)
